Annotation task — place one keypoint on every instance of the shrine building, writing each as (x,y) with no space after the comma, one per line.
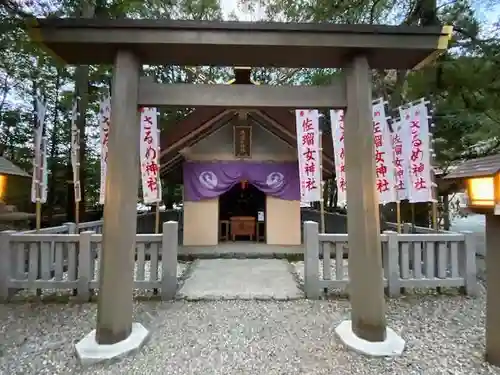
(239,169)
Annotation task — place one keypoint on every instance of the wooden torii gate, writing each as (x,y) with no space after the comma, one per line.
(128,43)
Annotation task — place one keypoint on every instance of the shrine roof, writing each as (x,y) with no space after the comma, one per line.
(265,44)
(10,169)
(479,167)
(203,122)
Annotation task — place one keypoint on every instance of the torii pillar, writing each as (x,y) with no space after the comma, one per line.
(367,331)
(116,334)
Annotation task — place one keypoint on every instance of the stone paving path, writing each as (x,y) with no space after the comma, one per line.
(220,279)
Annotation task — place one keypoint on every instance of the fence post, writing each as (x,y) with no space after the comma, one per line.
(6,263)
(169,248)
(84,271)
(468,263)
(391,264)
(72,229)
(311,260)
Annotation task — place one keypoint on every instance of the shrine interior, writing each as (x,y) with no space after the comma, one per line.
(243,200)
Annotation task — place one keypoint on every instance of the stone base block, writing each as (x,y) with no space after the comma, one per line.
(89,352)
(392,346)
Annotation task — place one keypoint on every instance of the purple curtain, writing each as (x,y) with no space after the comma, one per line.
(205,180)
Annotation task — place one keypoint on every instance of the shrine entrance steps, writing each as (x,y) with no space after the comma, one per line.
(239,250)
(247,279)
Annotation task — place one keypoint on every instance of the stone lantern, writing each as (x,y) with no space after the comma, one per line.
(481,178)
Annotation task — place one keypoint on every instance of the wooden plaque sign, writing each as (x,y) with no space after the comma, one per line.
(242,140)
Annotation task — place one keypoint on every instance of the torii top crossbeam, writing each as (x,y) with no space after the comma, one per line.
(96,41)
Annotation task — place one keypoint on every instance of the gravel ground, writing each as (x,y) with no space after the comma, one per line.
(444,335)
(28,293)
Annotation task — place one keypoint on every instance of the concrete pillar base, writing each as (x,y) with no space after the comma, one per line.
(392,346)
(89,352)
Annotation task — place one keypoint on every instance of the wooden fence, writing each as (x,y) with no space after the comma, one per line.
(69,261)
(145,224)
(409,260)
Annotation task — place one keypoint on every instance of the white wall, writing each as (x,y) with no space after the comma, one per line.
(282,222)
(201,220)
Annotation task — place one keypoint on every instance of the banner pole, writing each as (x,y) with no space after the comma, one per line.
(40,187)
(38,191)
(77,213)
(157,218)
(157,214)
(435,190)
(322,184)
(77,189)
(434,216)
(75,158)
(398,216)
(412,205)
(38,172)
(38,215)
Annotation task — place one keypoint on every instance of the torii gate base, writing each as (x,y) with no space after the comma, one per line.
(90,353)
(358,48)
(393,345)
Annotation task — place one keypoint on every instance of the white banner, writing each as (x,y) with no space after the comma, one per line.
(337,123)
(420,157)
(307,121)
(34,181)
(384,165)
(75,152)
(39,176)
(104,122)
(44,187)
(401,143)
(150,156)
(41,110)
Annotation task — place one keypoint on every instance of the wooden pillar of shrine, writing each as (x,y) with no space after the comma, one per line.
(366,289)
(493,289)
(116,276)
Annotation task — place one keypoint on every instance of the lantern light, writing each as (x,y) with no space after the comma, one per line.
(3,186)
(482,182)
